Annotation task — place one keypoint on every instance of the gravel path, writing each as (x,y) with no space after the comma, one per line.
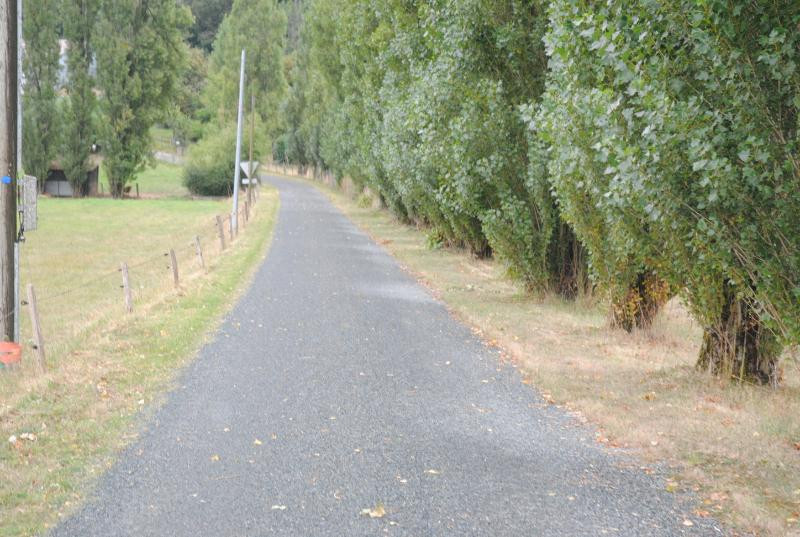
(338,384)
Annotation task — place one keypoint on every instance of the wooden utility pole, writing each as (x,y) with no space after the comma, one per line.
(8,162)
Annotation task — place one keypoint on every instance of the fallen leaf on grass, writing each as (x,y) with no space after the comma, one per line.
(376,512)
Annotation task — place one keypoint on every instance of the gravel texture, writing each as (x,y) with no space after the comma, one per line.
(339,384)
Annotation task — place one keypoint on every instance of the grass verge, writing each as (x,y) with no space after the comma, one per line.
(110,366)
(163,180)
(736,447)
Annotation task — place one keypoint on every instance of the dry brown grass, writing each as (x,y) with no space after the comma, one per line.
(736,446)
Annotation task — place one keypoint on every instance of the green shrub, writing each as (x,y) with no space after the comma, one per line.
(210,167)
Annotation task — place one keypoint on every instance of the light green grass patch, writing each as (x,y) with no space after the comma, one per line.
(163,180)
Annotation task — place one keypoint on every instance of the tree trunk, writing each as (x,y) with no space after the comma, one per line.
(640,305)
(569,274)
(739,346)
(117,189)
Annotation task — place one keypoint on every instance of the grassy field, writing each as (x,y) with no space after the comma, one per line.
(161,181)
(737,447)
(162,139)
(105,366)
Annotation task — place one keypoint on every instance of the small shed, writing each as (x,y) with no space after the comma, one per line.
(57,185)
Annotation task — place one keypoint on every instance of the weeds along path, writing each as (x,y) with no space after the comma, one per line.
(339,398)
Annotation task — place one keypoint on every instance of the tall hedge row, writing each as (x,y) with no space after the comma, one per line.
(651,146)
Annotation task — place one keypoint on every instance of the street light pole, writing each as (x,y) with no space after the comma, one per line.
(237,174)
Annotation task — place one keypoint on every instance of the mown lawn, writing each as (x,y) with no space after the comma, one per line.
(105,366)
(161,181)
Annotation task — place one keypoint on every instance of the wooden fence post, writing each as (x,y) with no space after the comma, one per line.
(230,226)
(38,340)
(126,286)
(173,261)
(199,250)
(221,232)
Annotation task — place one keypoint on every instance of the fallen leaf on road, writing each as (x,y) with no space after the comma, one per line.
(688,522)
(257,442)
(215,458)
(432,472)
(279,508)
(376,512)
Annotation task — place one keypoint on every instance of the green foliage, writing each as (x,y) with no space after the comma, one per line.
(42,122)
(211,163)
(138,66)
(210,167)
(259,26)
(80,124)
(208,15)
(653,145)
(186,115)
(673,134)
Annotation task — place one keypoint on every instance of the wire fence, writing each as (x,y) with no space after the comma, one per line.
(56,321)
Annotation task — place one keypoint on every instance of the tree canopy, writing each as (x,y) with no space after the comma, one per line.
(652,146)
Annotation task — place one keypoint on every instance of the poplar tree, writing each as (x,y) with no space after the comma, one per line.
(79,131)
(138,65)
(40,66)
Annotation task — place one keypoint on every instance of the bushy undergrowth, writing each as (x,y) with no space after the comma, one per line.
(209,170)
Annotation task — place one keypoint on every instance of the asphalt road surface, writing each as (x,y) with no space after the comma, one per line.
(338,384)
